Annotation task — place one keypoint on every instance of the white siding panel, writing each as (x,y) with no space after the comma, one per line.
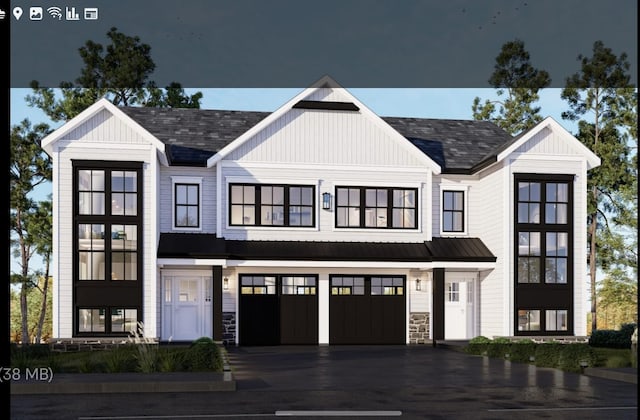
(104,127)
(328,137)
(208,176)
(548,142)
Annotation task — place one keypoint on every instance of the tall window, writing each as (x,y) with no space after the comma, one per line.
(187,205)
(272,205)
(453,211)
(107,263)
(376,207)
(543,252)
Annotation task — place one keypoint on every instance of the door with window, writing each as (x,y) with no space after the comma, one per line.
(187,307)
(458,309)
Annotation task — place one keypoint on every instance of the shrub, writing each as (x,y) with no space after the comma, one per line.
(170,360)
(547,354)
(571,355)
(203,355)
(499,347)
(477,345)
(119,359)
(522,350)
(615,339)
(617,362)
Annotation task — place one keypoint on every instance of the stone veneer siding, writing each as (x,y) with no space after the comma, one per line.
(229,328)
(419,328)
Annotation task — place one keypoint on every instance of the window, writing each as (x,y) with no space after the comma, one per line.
(258,285)
(543,269)
(298,285)
(375,207)
(453,292)
(107,248)
(556,320)
(387,286)
(528,320)
(187,205)
(453,211)
(347,285)
(272,205)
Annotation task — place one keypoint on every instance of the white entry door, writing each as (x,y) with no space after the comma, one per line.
(187,307)
(458,309)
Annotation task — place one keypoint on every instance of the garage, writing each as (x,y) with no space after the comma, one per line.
(367,310)
(278,309)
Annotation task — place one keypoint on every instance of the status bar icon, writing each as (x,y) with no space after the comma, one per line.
(17,12)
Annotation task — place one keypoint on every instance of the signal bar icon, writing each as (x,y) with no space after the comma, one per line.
(55,12)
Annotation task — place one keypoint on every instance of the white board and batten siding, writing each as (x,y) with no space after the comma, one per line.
(101,138)
(207,194)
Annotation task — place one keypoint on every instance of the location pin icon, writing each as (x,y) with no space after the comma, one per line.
(17,12)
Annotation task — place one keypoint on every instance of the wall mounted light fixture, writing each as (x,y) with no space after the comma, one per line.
(326,201)
(225,283)
(418,285)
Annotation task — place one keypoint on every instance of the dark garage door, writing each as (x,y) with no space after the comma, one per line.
(367,310)
(278,309)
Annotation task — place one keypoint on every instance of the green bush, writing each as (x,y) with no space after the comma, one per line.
(521,351)
(203,355)
(614,339)
(171,360)
(480,340)
(498,348)
(572,354)
(548,354)
(617,362)
(120,359)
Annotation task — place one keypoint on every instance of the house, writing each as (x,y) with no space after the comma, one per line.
(319,223)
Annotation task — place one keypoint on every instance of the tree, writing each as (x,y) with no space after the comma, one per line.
(514,75)
(119,72)
(41,230)
(603,94)
(29,167)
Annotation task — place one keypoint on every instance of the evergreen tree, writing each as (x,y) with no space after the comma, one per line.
(604,101)
(515,76)
(119,72)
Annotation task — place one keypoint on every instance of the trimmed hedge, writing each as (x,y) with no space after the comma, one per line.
(613,339)
(554,355)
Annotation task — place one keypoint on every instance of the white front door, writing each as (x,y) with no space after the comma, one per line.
(458,309)
(187,307)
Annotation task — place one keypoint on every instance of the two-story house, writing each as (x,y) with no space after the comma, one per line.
(319,223)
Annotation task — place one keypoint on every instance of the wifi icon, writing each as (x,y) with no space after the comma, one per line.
(55,12)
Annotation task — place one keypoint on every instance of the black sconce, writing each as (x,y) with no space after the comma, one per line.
(326,201)
(418,286)
(225,283)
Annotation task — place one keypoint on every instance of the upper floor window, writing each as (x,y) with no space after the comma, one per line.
(187,205)
(376,207)
(453,211)
(272,205)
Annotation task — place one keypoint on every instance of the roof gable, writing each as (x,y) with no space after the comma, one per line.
(99,112)
(323,91)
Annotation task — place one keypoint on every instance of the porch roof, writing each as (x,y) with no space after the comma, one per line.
(209,246)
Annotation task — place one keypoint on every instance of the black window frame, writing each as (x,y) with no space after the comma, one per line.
(108,324)
(543,295)
(109,292)
(453,212)
(176,204)
(287,205)
(362,206)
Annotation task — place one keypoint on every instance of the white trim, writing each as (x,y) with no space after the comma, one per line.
(191,262)
(445,186)
(218,193)
(324,82)
(428,211)
(538,156)
(193,180)
(102,104)
(550,123)
(322,167)
(186,272)
(96,145)
(508,287)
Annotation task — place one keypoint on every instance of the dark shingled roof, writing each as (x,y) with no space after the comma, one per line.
(194,135)
(199,245)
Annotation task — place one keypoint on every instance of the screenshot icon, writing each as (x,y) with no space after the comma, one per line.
(17,12)
(35,13)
